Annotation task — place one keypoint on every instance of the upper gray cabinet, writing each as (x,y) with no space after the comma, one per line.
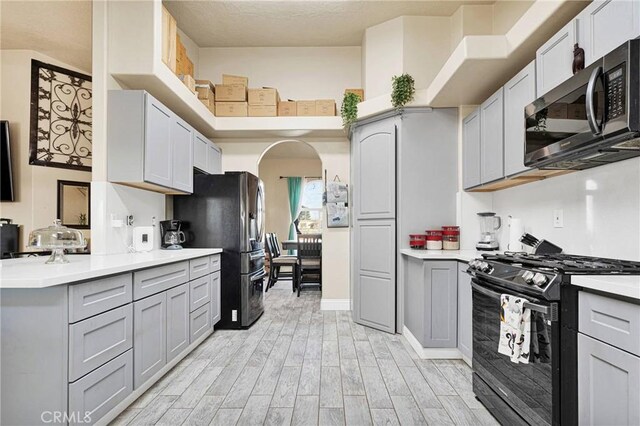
(471,150)
(606,24)
(492,138)
(206,155)
(554,59)
(519,92)
(214,159)
(149,146)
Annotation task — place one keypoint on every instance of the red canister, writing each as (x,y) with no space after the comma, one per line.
(434,239)
(417,241)
(451,237)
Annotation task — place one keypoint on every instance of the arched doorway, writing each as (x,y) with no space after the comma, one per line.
(281,160)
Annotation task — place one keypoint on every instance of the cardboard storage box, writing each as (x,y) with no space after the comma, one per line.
(231,109)
(188,81)
(235,79)
(169,39)
(263,96)
(231,93)
(326,107)
(210,104)
(359,92)
(263,111)
(205,90)
(183,63)
(305,108)
(287,109)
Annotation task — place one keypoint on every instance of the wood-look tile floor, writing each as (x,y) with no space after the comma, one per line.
(298,365)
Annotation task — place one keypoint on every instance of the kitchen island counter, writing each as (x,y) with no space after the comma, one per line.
(460,255)
(32,272)
(621,285)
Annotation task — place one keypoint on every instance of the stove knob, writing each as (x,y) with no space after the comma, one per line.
(539,279)
(485,267)
(527,276)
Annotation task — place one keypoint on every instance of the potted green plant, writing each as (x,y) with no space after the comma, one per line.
(403,90)
(349,108)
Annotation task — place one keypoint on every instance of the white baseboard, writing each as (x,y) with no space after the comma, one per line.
(430,353)
(335,304)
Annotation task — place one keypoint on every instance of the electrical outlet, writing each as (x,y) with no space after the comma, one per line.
(558,218)
(129,220)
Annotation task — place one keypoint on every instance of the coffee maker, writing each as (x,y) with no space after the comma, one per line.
(170,234)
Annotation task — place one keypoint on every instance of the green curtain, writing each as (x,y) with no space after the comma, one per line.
(295,196)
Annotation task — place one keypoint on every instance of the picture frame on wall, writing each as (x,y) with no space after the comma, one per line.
(74,204)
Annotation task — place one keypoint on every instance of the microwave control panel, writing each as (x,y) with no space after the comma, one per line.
(615,91)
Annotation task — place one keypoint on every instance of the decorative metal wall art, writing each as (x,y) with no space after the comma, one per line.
(60,117)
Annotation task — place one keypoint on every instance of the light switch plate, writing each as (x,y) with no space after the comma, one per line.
(558,218)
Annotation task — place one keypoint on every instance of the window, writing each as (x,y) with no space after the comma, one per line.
(311,211)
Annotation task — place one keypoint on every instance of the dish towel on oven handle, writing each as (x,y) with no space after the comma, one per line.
(515,329)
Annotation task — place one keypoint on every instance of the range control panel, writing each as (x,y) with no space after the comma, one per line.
(616,92)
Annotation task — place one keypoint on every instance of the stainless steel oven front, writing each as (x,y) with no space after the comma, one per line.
(515,393)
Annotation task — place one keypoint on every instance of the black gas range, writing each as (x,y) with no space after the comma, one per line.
(545,390)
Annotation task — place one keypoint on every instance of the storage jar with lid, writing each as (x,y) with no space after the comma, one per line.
(417,241)
(434,240)
(451,238)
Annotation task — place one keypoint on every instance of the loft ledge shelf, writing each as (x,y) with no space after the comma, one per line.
(287,127)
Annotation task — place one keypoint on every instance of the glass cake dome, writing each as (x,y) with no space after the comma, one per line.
(56,238)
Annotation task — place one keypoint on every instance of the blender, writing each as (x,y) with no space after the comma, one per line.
(489,224)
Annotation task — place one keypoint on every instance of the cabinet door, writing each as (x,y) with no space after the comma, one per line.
(465,326)
(375,171)
(149,337)
(200,148)
(182,142)
(492,138)
(608,384)
(158,162)
(214,159)
(215,298)
(519,92)
(606,24)
(440,304)
(177,320)
(471,150)
(554,60)
(375,274)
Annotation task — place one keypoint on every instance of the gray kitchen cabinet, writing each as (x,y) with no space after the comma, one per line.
(200,322)
(519,92)
(492,138)
(200,148)
(177,320)
(471,150)
(606,24)
(554,59)
(215,298)
(214,159)
(149,146)
(608,384)
(199,267)
(149,342)
(199,292)
(160,278)
(92,297)
(465,302)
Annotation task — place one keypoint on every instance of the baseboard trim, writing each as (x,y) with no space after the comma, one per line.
(430,353)
(335,304)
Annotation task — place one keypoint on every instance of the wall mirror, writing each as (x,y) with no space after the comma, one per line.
(74,204)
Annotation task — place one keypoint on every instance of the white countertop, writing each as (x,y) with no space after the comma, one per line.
(32,272)
(461,255)
(623,285)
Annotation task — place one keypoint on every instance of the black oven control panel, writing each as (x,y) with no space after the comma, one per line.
(615,92)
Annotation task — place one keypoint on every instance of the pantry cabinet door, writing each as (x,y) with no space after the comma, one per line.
(471,150)
(158,151)
(182,156)
(492,138)
(554,60)
(519,92)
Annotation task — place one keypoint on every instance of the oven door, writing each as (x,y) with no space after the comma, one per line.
(526,390)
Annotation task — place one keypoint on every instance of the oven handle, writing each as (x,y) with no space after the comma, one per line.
(547,310)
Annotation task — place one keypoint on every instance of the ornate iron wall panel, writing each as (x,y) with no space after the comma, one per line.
(60,117)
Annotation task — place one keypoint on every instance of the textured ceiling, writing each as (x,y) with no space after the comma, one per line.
(246,23)
(60,29)
(291,150)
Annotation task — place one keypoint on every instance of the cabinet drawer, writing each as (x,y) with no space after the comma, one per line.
(215,263)
(200,322)
(94,297)
(154,280)
(96,340)
(101,390)
(610,320)
(199,292)
(199,267)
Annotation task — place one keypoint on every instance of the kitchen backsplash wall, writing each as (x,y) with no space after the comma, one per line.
(601,209)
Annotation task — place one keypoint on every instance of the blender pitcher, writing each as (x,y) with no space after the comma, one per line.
(489,224)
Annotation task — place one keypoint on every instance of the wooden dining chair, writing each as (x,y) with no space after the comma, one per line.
(309,261)
(276,262)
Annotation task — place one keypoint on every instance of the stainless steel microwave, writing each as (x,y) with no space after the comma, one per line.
(591,119)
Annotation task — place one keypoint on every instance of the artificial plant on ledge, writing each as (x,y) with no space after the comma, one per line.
(403,90)
(349,109)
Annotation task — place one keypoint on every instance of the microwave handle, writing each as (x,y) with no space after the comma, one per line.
(596,128)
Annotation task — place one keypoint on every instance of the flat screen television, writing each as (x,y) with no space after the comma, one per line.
(6,175)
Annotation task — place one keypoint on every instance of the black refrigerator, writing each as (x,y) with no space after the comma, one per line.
(227,211)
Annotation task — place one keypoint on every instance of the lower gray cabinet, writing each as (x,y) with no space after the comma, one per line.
(608,384)
(215,298)
(200,322)
(149,341)
(177,320)
(98,392)
(465,323)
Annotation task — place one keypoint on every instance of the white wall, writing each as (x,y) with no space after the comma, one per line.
(35,187)
(297,72)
